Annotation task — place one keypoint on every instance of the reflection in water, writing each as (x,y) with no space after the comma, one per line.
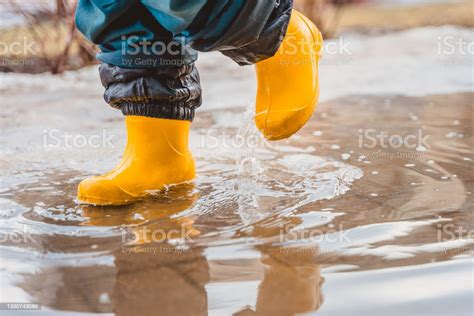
(155,277)
(291,283)
(260,226)
(167,281)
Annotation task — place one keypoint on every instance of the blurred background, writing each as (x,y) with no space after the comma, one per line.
(60,47)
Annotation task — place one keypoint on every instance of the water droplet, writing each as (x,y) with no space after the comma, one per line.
(138,216)
(412,116)
(104,298)
(450,134)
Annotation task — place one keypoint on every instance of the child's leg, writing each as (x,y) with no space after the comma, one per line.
(147,54)
(286,51)
(148,47)
(284,45)
(156,89)
(148,73)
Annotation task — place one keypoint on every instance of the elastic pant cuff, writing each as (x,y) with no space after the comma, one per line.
(170,93)
(158,110)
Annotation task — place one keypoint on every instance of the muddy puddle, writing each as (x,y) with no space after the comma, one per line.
(367,211)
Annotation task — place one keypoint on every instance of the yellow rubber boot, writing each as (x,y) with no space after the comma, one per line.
(288,86)
(156,155)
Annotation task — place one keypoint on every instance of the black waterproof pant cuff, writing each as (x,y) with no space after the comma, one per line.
(171,93)
(155,110)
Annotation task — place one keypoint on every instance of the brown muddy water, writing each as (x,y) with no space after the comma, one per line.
(334,221)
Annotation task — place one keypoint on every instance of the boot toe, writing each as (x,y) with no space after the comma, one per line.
(101,191)
(277,127)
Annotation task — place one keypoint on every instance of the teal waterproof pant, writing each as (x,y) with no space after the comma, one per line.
(148,48)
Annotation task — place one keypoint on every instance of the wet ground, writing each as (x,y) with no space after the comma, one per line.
(367,211)
(345,218)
